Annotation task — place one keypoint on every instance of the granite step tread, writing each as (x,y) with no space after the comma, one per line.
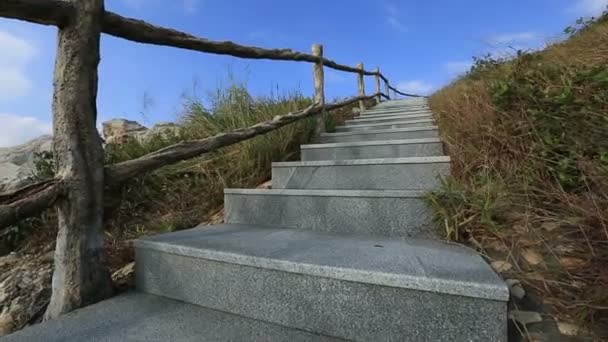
(366,121)
(373,149)
(387,125)
(136,317)
(389,213)
(392,115)
(412,173)
(394,112)
(416,264)
(351,287)
(384,134)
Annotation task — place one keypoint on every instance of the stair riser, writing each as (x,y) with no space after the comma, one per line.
(360,128)
(377,216)
(376,151)
(392,115)
(388,120)
(422,176)
(380,136)
(393,112)
(344,309)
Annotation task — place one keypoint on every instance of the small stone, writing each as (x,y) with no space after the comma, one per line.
(568,329)
(516,289)
(571,263)
(532,257)
(525,317)
(501,266)
(550,226)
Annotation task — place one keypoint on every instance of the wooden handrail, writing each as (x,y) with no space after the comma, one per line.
(16,206)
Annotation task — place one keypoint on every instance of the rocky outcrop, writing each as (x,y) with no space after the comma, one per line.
(117,130)
(17,163)
(120,130)
(25,289)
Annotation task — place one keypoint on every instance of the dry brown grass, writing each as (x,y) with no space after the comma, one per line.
(529,144)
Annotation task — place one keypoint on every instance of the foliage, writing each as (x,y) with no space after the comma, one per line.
(528,138)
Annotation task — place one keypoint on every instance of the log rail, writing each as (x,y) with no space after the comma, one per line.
(77,191)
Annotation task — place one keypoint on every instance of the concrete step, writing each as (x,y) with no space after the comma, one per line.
(355,288)
(388,125)
(386,134)
(395,111)
(137,317)
(373,149)
(390,213)
(405,117)
(391,115)
(417,173)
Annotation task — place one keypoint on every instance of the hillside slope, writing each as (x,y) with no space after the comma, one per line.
(529,143)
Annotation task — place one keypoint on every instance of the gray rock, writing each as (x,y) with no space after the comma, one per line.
(515,288)
(17,163)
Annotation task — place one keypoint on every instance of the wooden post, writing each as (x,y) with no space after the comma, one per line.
(361,84)
(378,90)
(387,89)
(81,276)
(319,85)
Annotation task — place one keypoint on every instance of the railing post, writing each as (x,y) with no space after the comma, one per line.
(81,276)
(388,90)
(378,90)
(319,85)
(361,84)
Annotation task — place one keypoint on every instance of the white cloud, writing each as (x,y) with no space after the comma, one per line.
(17,129)
(588,7)
(396,24)
(417,87)
(16,54)
(513,38)
(458,67)
(190,6)
(393,17)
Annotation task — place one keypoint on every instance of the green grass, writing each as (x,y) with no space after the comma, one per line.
(528,137)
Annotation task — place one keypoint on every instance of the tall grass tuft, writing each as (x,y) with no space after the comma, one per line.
(182,195)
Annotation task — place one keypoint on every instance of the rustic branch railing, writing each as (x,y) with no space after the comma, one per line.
(80,275)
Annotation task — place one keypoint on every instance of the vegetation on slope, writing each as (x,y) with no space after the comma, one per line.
(182,196)
(528,138)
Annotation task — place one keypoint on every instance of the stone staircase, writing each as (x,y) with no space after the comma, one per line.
(341,248)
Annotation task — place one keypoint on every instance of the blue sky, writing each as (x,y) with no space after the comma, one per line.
(419,45)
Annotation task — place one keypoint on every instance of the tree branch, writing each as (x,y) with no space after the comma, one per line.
(30,201)
(45,12)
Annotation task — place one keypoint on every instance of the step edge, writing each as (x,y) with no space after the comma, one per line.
(374,143)
(359,119)
(443,286)
(387,124)
(414,194)
(380,131)
(369,161)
